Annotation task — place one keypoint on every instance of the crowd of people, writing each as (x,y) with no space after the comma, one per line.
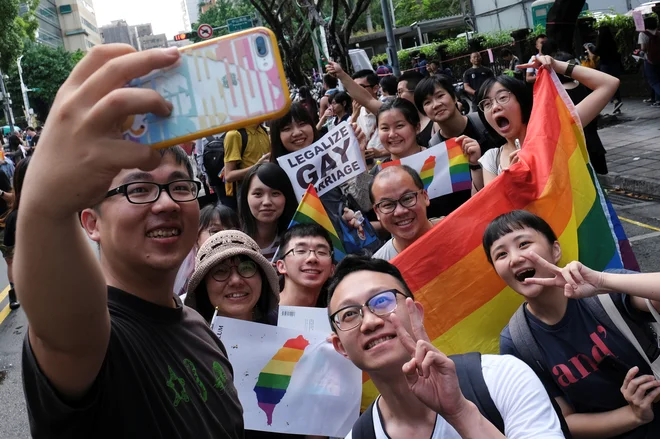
(120,345)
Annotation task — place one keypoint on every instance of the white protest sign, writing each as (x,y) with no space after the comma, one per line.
(290,381)
(638,18)
(334,159)
(304,318)
(443,168)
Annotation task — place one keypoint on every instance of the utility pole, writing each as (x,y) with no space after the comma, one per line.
(6,102)
(391,42)
(24,90)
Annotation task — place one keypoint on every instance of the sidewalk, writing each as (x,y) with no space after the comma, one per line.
(632,141)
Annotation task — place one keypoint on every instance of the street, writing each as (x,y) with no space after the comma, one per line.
(640,217)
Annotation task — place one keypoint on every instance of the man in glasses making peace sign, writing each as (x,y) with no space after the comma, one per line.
(379,327)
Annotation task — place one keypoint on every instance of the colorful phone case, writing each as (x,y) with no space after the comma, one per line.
(218,85)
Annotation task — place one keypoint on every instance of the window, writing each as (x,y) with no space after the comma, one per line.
(66,9)
(89,25)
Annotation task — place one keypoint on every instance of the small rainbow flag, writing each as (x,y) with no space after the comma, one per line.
(427,172)
(275,377)
(459,167)
(311,211)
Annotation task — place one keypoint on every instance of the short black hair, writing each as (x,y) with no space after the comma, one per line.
(303,231)
(427,88)
(352,263)
(515,220)
(342,98)
(218,212)
(517,88)
(540,36)
(505,52)
(413,174)
(422,56)
(380,63)
(372,78)
(29,128)
(412,78)
(406,108)
(330,81)
(549,47)
(388,84)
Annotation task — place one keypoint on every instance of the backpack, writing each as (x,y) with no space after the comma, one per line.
(473,386)
(484,138)
(214,158)
(605,311)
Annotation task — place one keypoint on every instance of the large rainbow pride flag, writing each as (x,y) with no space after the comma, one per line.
(466,303)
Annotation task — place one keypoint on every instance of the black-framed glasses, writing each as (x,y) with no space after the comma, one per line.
(407,200)
(351,316)
(502,97)
(145,192)
(402,92)
(245,269)
(301,252)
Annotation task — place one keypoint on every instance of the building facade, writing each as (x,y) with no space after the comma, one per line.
(49,32)
(78,23)
(153,41)
(140,36)
(117,31)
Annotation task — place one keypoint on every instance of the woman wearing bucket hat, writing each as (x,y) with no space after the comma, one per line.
(232,277)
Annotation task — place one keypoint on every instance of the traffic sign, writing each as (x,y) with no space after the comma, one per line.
(239,23)
(204,31)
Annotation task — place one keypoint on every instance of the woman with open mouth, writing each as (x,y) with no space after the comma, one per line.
(234,279)
(505,103)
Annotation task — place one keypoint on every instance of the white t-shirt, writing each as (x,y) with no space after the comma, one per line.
(367,123)
(532,69)
(387,251)
(490,161)
(518,395)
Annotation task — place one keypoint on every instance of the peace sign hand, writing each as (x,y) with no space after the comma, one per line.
(577,280)
(431,375)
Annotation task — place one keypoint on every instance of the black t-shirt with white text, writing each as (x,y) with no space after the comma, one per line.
(165,374)
(571,350)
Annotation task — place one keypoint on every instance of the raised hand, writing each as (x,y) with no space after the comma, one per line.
(334,68)
(577,280)
(431,375)
(539,61)
(471,149)
(640,393)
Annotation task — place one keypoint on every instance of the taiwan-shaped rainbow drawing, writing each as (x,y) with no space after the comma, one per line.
(428,171)
(275,376)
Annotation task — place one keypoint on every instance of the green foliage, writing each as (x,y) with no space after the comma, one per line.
(218,14)
(625,36)
(44,68)
(77,56)
(410,11)
(14,29)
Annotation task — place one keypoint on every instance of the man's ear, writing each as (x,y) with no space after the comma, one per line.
(420,310)
(427,199)
(89,218)
(556,252)
(337,344)
(281,267)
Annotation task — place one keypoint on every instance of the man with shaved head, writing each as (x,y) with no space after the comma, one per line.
(400,203)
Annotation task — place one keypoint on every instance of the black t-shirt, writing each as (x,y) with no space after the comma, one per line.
(9,240)
(425,134)
(476,76)
(571,350)
(165,375)
(5,185)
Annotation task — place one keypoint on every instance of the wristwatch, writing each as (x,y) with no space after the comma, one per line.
(569,69)
(474,167)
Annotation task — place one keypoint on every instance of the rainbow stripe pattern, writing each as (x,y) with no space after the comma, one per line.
(466,303)
(459,167)
(275,377)
(428,171)
(311,211)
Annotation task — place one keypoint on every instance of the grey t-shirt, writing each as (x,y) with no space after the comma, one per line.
(387,251)
(165,374)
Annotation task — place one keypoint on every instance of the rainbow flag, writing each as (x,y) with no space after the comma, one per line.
(311,211)
(443,168)
(466,303)
(275,377)
(459,167)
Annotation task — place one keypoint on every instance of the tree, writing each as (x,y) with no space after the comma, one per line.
(410,11)
(44,69)
(218,14)
(14,29)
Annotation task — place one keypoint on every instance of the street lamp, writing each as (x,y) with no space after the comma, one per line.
(24,90)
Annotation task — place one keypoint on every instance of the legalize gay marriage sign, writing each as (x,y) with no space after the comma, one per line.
(466,303)
(334,159)
(444,168)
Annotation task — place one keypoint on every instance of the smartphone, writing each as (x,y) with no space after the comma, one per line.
(218,85)
(614,368)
